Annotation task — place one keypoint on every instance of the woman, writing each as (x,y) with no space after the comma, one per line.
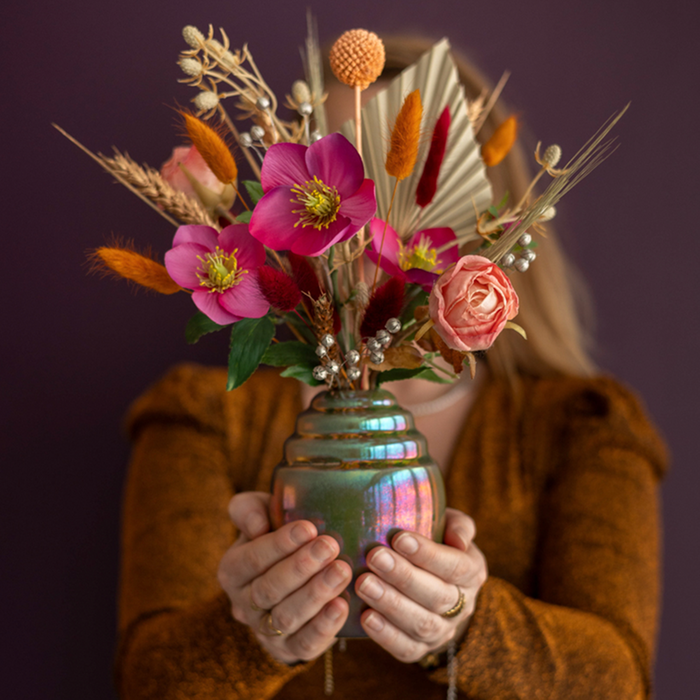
(555,597)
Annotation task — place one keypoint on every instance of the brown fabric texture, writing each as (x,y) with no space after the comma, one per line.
(561,482)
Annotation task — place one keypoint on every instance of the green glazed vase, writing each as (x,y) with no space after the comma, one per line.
(358,469)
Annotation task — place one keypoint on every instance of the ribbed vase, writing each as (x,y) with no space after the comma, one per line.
(359,470)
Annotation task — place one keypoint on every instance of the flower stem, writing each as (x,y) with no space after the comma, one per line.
(386,223)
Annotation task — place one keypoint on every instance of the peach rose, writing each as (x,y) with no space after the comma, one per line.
(189,157)
(471,303)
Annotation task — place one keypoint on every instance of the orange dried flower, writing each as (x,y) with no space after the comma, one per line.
(500,143)
(405,138)
(212,148)
(137,267)
(357,58)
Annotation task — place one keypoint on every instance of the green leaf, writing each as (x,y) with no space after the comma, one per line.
(198,326)
(289,353)
(244,217)
(396,375)
(302,373)
(504,201)
(255,190)
(250,337)
(420,299)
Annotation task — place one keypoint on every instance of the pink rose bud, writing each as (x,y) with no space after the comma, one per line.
(189,157)
(471,303)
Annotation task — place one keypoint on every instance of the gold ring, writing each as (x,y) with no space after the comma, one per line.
(253,606)
(267,628)
(454,611)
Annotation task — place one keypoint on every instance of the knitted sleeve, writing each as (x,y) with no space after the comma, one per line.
(590,630)
(178,638)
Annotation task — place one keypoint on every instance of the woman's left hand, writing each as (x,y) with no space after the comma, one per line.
(414,583)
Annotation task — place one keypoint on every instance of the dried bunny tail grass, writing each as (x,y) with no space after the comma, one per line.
(501,142)
(405,138)
(148,183)
(122,261)
(357,58)
(212,148)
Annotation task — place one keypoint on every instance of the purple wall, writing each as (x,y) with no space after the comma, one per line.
(79,349)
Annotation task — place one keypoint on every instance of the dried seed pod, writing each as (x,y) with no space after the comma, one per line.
(552,155)
(301,92)
(193,36)
(357,58)
(190,66)
(206,100)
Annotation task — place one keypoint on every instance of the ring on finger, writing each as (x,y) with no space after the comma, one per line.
(458,607)
(267,628)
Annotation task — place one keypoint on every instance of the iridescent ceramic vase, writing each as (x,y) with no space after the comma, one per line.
(359,470)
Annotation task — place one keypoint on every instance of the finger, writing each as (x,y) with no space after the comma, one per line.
(249,512)
(294,611)
(292,572)
(240,565)
(447,563)
(460,529)
(412,619)
(318,634)
(421,586)
(391,638)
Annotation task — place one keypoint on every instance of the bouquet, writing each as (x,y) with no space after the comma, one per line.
(353,241)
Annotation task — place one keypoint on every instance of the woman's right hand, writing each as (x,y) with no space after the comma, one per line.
(291,573)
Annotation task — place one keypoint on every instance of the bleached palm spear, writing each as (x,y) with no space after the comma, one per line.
(463,188)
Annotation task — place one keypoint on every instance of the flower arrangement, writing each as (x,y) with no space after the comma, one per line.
(354,241)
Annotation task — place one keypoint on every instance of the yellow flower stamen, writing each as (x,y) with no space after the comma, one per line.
(418,256)
(320,203)
(219,270)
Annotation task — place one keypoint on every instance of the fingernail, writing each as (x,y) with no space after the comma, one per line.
(382,560)
(462,536)
(300,534)
(374,622)
(321,550)
(254,524)
(334,575)
(372,588)
(332,613)
(407,544)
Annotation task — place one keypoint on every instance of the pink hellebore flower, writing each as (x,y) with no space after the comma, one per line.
(221,269)
(315,196)
(417,261)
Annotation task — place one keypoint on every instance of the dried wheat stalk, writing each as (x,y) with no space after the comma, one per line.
(150,184)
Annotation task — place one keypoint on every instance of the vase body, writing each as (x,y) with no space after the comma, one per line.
(358,469)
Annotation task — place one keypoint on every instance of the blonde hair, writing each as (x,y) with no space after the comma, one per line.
(555,307)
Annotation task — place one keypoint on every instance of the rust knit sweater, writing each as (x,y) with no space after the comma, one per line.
(562,485)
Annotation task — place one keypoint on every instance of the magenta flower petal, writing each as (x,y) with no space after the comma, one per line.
(273,222)
(312,242)
(284,164)
(421,277)
(204,235)
(362,206)
(386,264)
(390,251)
(181,262)
(334,160)
(208,303)
(251,253)
(245,299)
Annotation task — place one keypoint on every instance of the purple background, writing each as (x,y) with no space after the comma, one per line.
(77,350)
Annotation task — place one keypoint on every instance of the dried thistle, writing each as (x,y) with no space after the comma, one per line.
(405,138)
(122,261)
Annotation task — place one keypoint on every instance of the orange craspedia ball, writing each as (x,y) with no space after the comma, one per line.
(357,58)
